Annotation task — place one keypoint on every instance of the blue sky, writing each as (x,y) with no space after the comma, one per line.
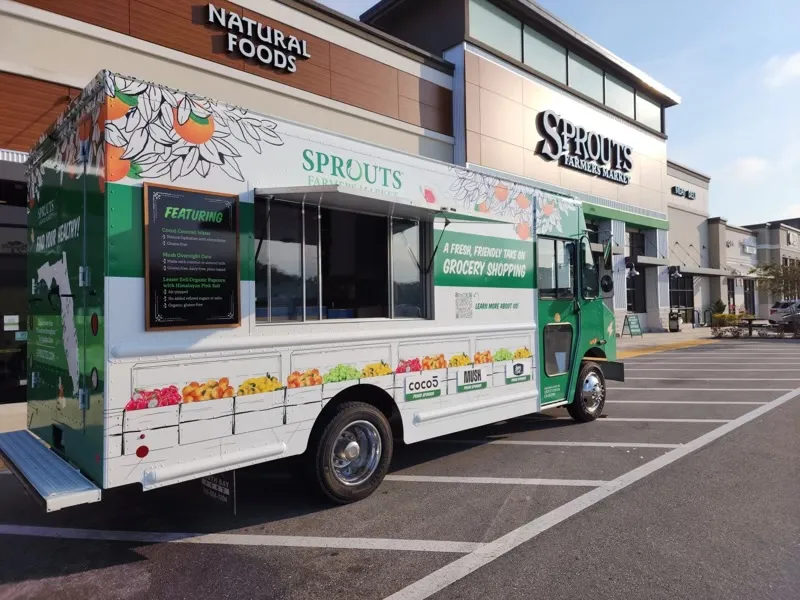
(736,66)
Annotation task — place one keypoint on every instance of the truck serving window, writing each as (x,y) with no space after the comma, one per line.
(317,263)
(555,268)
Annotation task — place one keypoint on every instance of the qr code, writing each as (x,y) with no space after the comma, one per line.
(464,305)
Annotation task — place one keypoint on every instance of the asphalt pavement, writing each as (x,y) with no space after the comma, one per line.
(688,488)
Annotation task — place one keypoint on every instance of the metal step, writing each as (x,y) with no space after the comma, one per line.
(45,474)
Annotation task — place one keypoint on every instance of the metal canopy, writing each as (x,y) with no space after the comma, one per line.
(689,270)
(363,201)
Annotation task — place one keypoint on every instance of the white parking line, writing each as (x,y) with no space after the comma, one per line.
(674,389)
(240,539)
(648,420)
(460,568)
(496,480)
(723,402)
(684,370)
(637,362)
(543,443)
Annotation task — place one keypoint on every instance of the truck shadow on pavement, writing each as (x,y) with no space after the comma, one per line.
(272,499)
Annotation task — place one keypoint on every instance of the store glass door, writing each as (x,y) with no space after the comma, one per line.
(13,293)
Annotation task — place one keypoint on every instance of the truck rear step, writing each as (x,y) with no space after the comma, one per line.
(44,473)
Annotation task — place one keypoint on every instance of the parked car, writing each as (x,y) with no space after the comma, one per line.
(783,308)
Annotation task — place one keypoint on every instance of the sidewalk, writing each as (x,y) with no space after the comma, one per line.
(628,347)
(12,416)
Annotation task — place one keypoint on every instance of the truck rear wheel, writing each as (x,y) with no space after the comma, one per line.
(590,394)
(350,457)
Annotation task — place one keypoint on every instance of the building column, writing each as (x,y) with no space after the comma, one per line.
(657,282)
(619,303)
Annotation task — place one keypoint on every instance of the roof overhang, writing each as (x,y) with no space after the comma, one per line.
(651,261)
(363,201)
(689,270)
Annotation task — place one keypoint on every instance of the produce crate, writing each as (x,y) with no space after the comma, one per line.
(258,420)
(207,409)
(209,429)
(150,418)
(155,439)
(263,401)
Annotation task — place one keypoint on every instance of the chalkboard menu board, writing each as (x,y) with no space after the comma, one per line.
(633,325)
(191,258)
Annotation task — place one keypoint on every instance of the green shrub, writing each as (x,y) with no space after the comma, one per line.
(724,320)
(718,307)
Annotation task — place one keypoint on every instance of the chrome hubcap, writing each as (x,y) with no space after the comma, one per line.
(592,392)
(356,453)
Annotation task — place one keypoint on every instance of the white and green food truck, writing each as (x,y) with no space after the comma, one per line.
(211,288)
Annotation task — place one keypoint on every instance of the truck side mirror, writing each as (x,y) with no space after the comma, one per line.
(606,284)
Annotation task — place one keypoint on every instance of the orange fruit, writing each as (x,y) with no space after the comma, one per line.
(117,168)
(85,128)
(483,207)
(116,108)
(223,382)
(523,202)
(101,118)
(195,130)
(228,393)
(548,209)
(501,192)
(523,230)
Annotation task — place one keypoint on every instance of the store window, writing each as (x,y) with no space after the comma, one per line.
(619,96)
(13,283)
(557,348)
(544,55)
(648,112)
(584,77)
(634,277)
(681,296)
(731,295)
(555,268)
(317,263)
(495,28)
(750,296)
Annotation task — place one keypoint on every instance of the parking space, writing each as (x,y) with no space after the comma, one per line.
(442,500)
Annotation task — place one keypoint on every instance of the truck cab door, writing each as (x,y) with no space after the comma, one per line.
(558,310)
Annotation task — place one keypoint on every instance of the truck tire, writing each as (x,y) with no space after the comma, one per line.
(349,458)
(590,394)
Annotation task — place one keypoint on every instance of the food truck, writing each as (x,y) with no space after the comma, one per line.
(212,288)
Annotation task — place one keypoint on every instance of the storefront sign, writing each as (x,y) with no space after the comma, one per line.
(191,258)
(679,191)
(575,147)
(251,39)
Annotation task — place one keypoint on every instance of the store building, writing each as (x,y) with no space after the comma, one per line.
(778,243)
(693,271)
(323,70)
(536,100)
(734,249)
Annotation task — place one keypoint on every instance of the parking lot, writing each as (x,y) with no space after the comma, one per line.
(687,488)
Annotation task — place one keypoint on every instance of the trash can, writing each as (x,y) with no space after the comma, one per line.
(674,322)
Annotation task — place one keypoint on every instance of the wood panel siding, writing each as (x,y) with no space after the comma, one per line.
(332,71)
(27,108)
(109,14)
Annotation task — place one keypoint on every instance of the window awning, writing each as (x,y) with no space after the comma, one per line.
(689,270)
(651,261)
(358,200)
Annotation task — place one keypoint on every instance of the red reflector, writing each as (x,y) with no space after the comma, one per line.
(142,451)
(95,324)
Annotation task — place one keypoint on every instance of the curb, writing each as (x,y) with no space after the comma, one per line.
(622,355)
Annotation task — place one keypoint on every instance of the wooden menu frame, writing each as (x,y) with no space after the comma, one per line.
(236,215)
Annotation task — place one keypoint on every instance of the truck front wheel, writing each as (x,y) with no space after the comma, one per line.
(351,455)
(590,394)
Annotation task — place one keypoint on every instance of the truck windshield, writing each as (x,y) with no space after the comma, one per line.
(590,281)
